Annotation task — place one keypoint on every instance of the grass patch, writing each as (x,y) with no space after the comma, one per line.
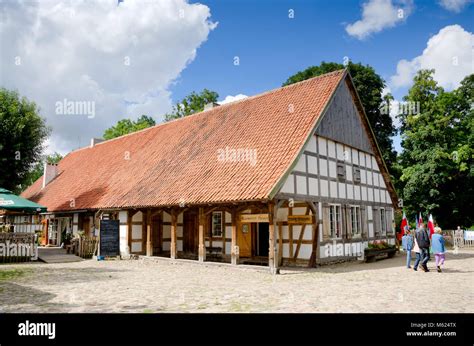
(6,275)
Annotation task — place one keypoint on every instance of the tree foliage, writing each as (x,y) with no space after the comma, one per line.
(22,134)
(438,151)
(369,86)
(126,126)
(193,103)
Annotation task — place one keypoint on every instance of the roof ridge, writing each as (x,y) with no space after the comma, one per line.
(224,105)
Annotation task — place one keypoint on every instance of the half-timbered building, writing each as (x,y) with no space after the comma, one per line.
(292,176)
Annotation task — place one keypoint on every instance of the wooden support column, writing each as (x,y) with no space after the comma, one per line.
(313,261)
(234,247)
(149,244)
(272,236)
(174,221)
(271,239)
(202,243)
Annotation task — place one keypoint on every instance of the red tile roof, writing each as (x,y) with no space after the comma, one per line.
(178,161)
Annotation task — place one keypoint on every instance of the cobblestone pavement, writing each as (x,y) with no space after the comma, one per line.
(165,286)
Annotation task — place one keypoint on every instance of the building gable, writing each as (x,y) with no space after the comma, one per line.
(342,122)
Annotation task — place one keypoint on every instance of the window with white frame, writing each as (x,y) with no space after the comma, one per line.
(355,221)
(335,223)
(217,224)
(383,221)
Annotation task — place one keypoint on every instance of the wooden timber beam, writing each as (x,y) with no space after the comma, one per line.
(234,247)
(149,244)
(272,237)
(174,221)
(313,260)
(300,238)
(202,244)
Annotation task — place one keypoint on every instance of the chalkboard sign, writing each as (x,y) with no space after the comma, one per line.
(109,238)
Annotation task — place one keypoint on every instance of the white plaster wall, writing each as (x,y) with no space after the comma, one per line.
(136,232)
(137,217)
(289,185)
(301,187)
(312,165)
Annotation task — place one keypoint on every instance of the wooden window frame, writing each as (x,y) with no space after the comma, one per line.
(383,221)
(213,232)
(333,221)
(357,222)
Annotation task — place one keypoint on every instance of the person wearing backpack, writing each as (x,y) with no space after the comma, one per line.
(423,241)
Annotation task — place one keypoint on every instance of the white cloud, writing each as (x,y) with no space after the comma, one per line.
(449,52)
(230,98)
(454,5)
(121,56)
(378,15)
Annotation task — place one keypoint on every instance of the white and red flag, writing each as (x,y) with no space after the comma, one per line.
(403,224)
(431,225)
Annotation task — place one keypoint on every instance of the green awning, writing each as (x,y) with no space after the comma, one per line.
(11,202)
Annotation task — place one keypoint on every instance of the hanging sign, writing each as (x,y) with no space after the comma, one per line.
(254,218)
(300,219)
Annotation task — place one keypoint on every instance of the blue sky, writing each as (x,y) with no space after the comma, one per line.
(271,47)
(142,56)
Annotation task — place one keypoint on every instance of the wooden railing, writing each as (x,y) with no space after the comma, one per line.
(84,246)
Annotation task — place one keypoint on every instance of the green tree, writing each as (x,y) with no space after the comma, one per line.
(369,86)
(191,104)
(22,134)
(126,126)
(37,171)
(438,151)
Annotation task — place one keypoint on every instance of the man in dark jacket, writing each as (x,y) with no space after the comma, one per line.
(423,241)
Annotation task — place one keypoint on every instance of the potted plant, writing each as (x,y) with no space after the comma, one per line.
(379,248)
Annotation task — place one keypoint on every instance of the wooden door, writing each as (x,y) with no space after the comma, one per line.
(244,240)
(190,231)
(87,226)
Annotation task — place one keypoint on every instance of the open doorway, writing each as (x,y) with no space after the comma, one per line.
(262,239)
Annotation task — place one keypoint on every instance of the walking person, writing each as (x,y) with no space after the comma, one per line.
(407,245)
(423,241)
(437,245)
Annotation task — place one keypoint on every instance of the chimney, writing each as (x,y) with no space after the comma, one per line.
(94,141)
(50,172)
(210,106)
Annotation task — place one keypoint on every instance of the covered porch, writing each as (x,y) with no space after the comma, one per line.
(240,233)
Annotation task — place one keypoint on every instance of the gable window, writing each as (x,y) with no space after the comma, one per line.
(217,224)
(335,221)
(383,221)
(341,171)
(356,175)
(355,221)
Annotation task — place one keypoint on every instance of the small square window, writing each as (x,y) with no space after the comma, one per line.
(341,171)
(356,175)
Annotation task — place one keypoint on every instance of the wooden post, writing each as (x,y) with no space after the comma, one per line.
(280,244)
(271,240)
(149,245)
(234,247)
(313,261)
(174,221)
(202,244)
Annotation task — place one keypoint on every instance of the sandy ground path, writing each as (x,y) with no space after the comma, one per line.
(147,286)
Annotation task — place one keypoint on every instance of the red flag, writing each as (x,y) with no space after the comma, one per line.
(431,225)
(420,220)
(402,225)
